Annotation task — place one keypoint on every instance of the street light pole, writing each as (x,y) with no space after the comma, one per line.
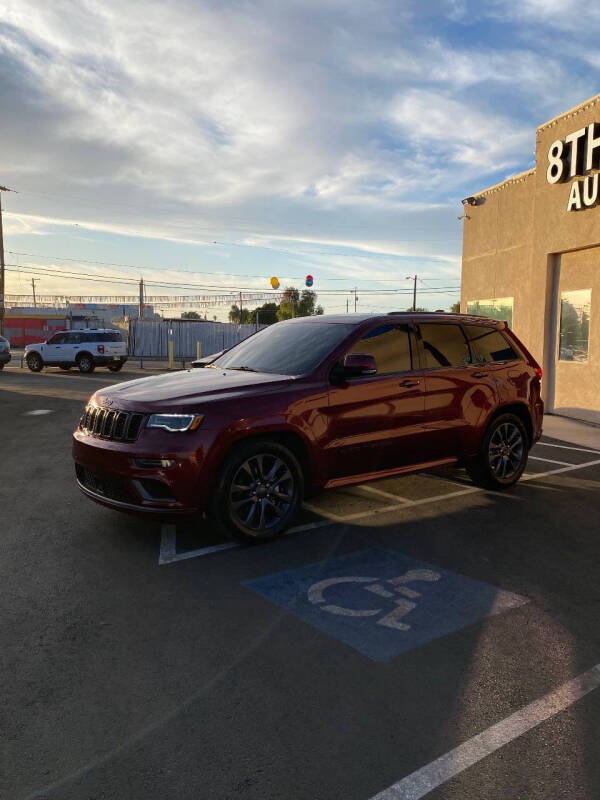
(414,279)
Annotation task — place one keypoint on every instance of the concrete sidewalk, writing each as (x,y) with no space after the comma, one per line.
(583,434)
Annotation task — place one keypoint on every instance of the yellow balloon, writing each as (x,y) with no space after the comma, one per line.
(275,283)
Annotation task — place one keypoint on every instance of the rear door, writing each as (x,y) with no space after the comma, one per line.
(458,390)
(114,346)
(375,421)
(497,359)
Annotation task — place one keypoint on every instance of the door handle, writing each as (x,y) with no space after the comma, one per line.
(479,374)
(408,383)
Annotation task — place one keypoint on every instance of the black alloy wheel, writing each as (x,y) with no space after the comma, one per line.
(503,456)
(85,364)
(260,491)
(34,362)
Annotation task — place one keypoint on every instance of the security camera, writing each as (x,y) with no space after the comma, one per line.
(469,201)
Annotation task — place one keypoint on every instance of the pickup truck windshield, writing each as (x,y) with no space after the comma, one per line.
(293,348)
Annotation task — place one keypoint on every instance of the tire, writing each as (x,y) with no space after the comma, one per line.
(65,367)
(34,362)
(246,503)
(503,455)
(115,367)
(85,364)
(1,366)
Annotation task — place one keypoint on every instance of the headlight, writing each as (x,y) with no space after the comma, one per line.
(175,422)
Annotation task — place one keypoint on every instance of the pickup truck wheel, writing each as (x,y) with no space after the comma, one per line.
(116,367)
(259,492)
(34,362)
(85,364)
(503,455)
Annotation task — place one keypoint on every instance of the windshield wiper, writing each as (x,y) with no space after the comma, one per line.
(243,368)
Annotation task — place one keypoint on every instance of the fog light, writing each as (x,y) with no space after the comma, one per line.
(155,463)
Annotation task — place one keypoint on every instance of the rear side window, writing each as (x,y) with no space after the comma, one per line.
(390,347)
(108,336)
(444,346)
(488,344)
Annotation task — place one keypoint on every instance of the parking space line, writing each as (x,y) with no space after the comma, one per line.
(551,461)
(429,777)
(389,495)
(169,555)
(568,447)
(531,476)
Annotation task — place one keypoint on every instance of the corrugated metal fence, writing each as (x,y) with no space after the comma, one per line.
(149,338)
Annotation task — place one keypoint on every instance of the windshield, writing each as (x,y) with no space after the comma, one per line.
(286,348)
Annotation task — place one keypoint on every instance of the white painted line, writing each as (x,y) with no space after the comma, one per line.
(389,495)
(566,447)
(168,554)
(429,777)
(550,461)
(531,476)
(37,412)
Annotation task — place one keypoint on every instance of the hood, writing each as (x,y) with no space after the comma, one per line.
(186,390)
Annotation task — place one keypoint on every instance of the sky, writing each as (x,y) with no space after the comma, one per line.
(216,144)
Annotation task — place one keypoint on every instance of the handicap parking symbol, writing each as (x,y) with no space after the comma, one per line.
(382,602)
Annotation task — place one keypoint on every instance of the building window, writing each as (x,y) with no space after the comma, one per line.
(500,308)
(574,325)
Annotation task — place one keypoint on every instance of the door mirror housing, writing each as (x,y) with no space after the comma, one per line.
(357,364)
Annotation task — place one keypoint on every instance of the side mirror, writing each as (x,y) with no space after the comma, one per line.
(357,364)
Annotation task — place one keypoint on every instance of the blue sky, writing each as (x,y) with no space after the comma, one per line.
(239,140)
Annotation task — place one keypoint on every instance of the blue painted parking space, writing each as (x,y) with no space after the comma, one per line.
(383,603)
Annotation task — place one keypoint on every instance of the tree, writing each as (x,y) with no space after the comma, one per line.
(298,304)
(241,318)
(267,314)
(455,308)
(190,315)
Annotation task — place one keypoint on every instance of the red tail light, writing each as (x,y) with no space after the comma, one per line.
(539,372)
(100,348)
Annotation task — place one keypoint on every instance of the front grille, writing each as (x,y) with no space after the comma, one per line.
(109,486)
(106,423)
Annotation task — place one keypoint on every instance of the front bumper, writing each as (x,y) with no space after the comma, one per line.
(123,476)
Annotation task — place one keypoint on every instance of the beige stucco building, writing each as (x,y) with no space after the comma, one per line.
(531,255)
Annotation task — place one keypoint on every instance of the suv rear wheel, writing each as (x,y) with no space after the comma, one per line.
(503,455)
(85,363)
(116,366)
(34,362)
(259,492)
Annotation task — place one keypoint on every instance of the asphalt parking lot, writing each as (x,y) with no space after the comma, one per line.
(416,637)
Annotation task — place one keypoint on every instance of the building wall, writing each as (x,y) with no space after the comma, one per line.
(521,241)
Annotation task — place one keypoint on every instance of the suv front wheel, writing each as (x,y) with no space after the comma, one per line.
(34,362)
(259,491)
(503,455)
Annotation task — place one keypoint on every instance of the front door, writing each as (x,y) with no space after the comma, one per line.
(55,349)
(375,421)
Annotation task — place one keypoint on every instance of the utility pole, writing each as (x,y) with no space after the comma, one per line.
(346,305)
(2,189)
(241,308)
(355,297)
(33,282)
(414,279)
(141,308)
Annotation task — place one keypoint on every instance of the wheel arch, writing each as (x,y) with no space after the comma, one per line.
(291,439)
(521,411)
(83,353)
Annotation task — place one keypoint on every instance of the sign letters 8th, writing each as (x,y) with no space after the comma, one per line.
(578,154)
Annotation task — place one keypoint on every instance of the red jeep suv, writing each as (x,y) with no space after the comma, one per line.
(313,403)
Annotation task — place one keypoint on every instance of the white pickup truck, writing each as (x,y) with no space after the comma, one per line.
(85,349)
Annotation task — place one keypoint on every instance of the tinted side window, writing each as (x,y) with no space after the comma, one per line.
(72,338)
(390,347)
(58,338)
(112,336)
(488,344)
(444,346)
